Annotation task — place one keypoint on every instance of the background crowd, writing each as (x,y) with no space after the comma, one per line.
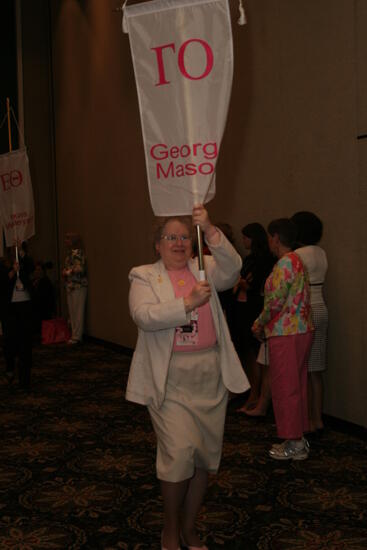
(278,319)
(28,304)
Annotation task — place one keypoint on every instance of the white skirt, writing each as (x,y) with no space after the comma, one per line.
(190,423)
(318,358)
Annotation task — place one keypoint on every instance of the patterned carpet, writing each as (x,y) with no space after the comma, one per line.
(77,471)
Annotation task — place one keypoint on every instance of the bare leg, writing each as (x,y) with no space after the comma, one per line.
(312,427)
(193,500)
(173,497)
(253,372)
(317,399)
(254,375)
(265,396)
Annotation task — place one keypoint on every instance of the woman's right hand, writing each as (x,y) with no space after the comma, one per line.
(199,295)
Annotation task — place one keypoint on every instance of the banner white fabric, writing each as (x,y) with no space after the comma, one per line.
(16,197)
(183,61)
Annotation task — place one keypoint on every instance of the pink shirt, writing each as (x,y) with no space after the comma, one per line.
(200,333)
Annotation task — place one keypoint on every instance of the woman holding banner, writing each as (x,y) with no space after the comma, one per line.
(184,364)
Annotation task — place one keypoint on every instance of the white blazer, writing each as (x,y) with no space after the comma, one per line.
(157,312)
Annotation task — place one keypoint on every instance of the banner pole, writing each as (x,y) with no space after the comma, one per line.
(202,276)
(199,235)
(10,150)
(9,123)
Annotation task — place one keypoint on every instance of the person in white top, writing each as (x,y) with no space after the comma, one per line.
(314,258)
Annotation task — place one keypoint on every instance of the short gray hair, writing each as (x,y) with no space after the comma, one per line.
(162,221)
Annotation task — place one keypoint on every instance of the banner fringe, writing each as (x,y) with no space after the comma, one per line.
(242,20)
(22,142)
(125,29)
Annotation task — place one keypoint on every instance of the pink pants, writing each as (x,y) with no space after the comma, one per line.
(288,374)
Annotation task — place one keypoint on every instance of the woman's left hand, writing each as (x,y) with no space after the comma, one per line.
(200,217)
(258,332)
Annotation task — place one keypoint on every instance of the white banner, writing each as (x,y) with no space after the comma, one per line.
(183,62)
(16,197)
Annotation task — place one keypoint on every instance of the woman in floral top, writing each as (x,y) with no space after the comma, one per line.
(286,324)
(75,278)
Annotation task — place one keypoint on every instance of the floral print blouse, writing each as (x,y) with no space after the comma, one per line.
(76,261)
(287,306)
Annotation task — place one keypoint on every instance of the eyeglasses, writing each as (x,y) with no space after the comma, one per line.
(174,238)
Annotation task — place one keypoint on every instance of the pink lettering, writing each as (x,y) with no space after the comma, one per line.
(175,151)
(159,54)
(209,59)
(195,148)
(185,151)
(206,171)
(180,170)
(190,169)
(16,178)
(210,150)
(169,173)
(11,179)
(159,151)
(5,180)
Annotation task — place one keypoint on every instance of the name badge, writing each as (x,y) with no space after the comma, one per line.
(187,335)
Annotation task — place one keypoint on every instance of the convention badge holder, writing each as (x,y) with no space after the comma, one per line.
(187,335)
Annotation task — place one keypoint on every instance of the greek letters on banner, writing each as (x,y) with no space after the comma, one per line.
(16,197)
(183,63)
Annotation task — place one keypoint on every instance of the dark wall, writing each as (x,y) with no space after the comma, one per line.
(297,106)
(8,68)
(39,127)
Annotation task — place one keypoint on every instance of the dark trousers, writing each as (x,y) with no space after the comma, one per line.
(17,339)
